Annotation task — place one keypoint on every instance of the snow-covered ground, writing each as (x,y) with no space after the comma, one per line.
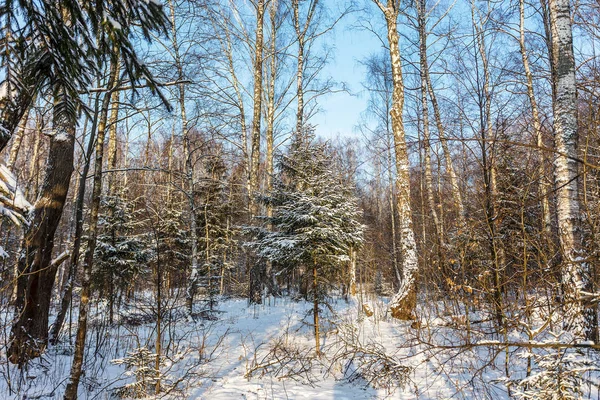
(267,352)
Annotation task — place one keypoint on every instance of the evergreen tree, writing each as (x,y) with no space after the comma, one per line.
(316,220)
(121,252)
(214,230)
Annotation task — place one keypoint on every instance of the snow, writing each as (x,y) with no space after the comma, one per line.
(114,23)
(12,201)
(3,90)
(232,357)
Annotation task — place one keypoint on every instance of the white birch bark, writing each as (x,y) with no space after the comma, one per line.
(404,301)
(456,194)
(575,277)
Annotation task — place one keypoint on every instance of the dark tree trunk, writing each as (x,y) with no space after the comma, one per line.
(67,291)
(29,336)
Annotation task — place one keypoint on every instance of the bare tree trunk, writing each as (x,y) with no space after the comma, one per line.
(456,193)
(159,311)
(543,189)
(189,165)
(34,162)
(404,302)
(391,198)
(299,74)
(112,138)
(227,48)
(189,172)
(67,291)
(575,274)
(78,356)
(316,309)
(352,284)
(255,270)
(18,139)
(256,115)
(270,128)
(437,222)
(29,335)
(489,171)
(301,31)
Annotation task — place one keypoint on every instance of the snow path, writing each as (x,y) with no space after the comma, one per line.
(257,325)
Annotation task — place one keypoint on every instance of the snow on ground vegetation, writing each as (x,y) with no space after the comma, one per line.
(267,352)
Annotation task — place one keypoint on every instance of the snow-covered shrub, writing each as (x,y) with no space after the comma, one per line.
(560,374)
(141,364)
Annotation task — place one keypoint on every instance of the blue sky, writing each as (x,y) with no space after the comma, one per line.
(340,112)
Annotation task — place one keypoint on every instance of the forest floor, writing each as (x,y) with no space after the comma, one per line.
(267,352)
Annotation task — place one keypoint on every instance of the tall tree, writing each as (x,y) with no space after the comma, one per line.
(403,303)
(575,274)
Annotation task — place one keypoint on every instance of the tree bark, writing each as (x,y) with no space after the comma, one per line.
(316,310)
(488,162)
(543,189)
(112,138)
(255,269)
(575,273)
(88,261)
(256,115)
(67,292)
(18,139)
(404,301)
(189,167)
(456,193)
(270,280)
(29,335)
(437,222)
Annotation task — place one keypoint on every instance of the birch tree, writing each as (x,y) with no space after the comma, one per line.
(404,301)
(575,273)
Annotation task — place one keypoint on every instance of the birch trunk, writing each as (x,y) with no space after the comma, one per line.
(257,98)
(301,29)
(489,171)
(403,303)
(456,194)
(270,128)
(352,283)
(575,274)
(112,138)
(537,126)
(439,229)
(255,269)
(227,47)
